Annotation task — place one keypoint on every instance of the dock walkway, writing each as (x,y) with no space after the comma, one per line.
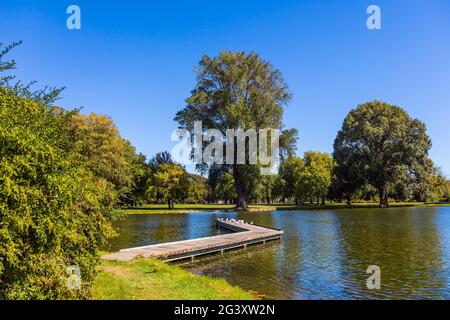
(244,234)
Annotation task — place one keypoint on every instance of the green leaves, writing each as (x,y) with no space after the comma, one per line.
(55,211)
(308,177)
(170,182)
(379,143)
(236,90)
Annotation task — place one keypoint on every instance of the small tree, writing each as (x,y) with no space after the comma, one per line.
(292,173)
(317,174)
(141,173)
(225,189)
(172,182)
(267,186)
(447,191)
(159,159)
(197,188)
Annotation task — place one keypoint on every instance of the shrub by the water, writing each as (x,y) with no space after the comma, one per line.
(54,211)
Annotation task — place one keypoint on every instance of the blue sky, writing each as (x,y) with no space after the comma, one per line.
(134,60)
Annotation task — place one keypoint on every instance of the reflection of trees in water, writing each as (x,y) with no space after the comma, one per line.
(166,229)
(312,255)
(123,229)
(323,254)
(139,230)
(404,243)
(252,269)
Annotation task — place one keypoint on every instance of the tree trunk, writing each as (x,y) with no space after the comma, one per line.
(318,200)
(241,199)
(168,203)
(349,200)
(383,197)
(323,201)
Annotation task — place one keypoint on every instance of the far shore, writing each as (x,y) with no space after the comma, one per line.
(193,208)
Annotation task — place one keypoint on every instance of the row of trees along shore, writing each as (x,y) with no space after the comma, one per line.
(63,174)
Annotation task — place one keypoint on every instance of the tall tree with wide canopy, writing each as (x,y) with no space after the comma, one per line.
(237,91)
(377,142)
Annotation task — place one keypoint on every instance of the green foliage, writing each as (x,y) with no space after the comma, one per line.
(447,191)
(308,177)
(171,182)
(54,211)
(237,91)
(105,152)
(317,174)
(6,65)
(140,175)
(226,190)
(379,143)
(220,185)
(159,159)
(291,171)
(288,143)
(436,188)
(267,188)
(197,189)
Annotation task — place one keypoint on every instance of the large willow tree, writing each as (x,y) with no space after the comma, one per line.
(237,91)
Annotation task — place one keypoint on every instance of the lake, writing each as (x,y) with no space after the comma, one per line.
(322,254)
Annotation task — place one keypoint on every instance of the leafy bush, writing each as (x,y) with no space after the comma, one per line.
(54,211)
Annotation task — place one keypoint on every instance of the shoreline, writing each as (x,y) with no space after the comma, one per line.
(186,209)
(154,279)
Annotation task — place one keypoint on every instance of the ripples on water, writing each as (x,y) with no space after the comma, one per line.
(323,254)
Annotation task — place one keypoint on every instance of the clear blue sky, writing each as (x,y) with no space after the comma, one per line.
(134,60)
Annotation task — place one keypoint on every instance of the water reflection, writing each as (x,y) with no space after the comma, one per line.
(404,243)
(323,254)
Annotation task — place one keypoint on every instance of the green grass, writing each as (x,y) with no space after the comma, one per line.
(186,208)
(149,279)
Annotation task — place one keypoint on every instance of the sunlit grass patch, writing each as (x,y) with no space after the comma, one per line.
(149,279)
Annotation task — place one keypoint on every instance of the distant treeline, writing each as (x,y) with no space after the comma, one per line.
(312,178)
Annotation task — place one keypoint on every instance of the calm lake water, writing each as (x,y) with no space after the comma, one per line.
(322,254)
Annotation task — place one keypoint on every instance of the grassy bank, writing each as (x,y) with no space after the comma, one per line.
(149,279)
(186,208)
